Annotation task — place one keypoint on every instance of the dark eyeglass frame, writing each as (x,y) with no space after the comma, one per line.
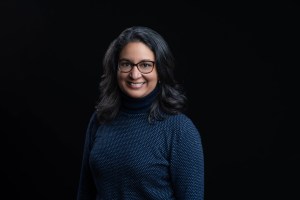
(135,64)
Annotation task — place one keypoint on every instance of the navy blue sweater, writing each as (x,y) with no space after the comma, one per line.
(131,158)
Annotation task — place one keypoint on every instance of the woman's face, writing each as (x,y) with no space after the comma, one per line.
(134,83)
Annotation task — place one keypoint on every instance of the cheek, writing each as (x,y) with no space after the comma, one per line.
(154,77)
(119,79)
(120,75)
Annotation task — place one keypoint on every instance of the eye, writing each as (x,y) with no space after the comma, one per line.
(146,64)
(125,64)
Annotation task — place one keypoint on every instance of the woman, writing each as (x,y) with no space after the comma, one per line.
(139,143)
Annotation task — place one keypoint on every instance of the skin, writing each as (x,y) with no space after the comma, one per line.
(134,83)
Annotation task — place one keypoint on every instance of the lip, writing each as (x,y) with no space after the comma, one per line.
(135,84)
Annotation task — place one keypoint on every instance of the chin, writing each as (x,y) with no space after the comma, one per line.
(136,94)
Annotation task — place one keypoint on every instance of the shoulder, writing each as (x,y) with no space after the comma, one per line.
(93,119)
(180,119)
(181,122)
(93,123)
(183,130)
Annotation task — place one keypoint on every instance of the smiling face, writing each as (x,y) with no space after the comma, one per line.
(134,83)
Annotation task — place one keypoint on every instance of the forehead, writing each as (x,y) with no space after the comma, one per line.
(136,51)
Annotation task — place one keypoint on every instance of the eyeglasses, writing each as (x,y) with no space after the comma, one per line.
(144,67)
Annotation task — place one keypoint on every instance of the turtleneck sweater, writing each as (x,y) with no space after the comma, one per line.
(130,158)
(138,105)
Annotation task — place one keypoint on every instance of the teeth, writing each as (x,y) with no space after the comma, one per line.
(136,83)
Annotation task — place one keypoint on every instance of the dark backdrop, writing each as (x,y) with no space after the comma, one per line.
(234,59)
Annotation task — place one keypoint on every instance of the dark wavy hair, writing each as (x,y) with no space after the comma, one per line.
(171,98)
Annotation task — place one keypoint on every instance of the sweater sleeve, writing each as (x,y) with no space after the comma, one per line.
(86,188)
(187,162)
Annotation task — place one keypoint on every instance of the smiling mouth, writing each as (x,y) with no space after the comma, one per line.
(136,85)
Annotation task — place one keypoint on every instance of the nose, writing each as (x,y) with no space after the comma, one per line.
(135,73)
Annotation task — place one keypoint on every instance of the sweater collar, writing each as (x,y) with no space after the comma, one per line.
(138,105)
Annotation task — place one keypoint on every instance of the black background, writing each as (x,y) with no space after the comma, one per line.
(235,60)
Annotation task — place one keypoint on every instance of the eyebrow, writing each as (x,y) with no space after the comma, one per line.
(124,59)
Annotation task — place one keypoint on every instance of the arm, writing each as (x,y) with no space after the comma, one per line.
(187,162)
(87,189)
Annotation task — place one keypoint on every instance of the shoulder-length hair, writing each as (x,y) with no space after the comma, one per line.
(171,98)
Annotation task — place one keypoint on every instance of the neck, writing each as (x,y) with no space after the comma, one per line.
(138,105)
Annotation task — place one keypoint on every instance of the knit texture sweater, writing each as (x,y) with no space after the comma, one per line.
(132,159)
